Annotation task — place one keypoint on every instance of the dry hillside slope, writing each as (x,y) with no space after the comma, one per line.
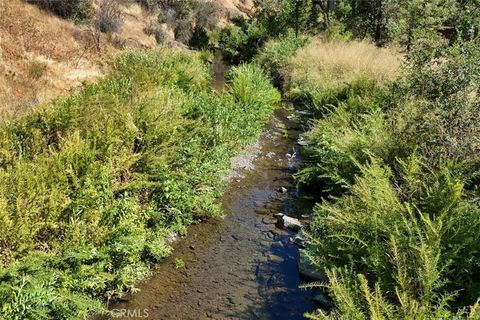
(43,56)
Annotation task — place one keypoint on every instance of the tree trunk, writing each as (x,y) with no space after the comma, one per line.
(410,35)
(297,18)
(330,6)
(379,23)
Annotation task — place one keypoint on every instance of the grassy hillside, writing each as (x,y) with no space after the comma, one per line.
(92,185)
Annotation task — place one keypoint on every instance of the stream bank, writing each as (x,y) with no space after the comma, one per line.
(241,267)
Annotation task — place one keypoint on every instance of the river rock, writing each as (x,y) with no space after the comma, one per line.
(305,113)
(278,215)
(322,300)
(299,240)
(303,142)
(270,155)
(307,270)
(287,222)
(171,237)
(262,211)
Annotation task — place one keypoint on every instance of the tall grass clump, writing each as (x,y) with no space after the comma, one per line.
(394,156)
(92,185)
(328,71)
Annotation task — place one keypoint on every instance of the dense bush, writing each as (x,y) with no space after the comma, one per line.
(241,41)
(77,10)
(418,251)
(91,185)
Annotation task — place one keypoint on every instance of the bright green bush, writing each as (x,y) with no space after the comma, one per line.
(91,185)
(240,42)
(418,252)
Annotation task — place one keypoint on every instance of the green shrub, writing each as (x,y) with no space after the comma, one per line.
(356,298)
(92,184)
(418,251)
(399,164)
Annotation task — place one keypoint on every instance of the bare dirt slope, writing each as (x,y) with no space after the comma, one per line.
(43,56)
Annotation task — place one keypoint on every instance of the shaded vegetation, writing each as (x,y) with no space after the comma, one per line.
(394,149)
(77,10)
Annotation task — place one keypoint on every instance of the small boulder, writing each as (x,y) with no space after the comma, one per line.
(283,190)
(287,222)
(307,270)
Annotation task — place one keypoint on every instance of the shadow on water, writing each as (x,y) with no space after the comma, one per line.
(241,267)
(219,72)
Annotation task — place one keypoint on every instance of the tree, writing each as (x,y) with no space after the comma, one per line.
(417,19)
(280,16)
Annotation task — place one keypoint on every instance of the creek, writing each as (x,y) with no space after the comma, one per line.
(242,266)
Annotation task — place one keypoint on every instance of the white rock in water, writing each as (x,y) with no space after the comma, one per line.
(289,223)
(279,215)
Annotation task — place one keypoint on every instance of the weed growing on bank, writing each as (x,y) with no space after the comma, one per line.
(93,185)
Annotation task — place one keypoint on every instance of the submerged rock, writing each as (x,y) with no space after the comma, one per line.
(262,211)
(299,240)
(259,204)
(303,142)
(322,300)
(307,270)
(287,222)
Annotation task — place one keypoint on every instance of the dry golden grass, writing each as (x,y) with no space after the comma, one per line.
(341,62)
(43,56)
(37,52)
